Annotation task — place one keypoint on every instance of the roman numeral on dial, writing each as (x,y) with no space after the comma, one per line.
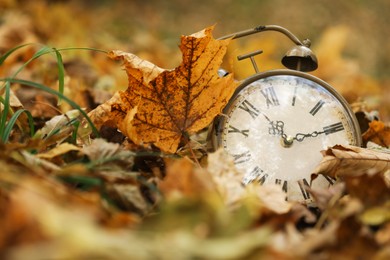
(255,175)
(282,183)
(294,96)
(270,96)
(330,179)
(248,107)
(333,128)
(302,186)
(232,129)
(317,107)
(241,157)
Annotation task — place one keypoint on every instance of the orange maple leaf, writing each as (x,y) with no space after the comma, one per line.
(160,106)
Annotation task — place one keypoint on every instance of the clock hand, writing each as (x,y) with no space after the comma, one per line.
(300,137)
(277,128)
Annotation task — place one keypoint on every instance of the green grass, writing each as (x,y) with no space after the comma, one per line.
(9,118)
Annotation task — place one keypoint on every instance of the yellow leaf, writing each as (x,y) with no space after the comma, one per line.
(376,215)
(58,150)
(378,133)
(172,104)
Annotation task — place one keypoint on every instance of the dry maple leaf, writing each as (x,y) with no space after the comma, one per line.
(160,107)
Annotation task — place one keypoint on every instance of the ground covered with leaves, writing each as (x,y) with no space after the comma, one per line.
(101,163)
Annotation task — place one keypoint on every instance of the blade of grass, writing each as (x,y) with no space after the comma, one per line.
(82,182)
(56,93)
(4,114)
(74,134)
(45,50)
(81,48)
(7,131)
(8,53)
(61,74)
(58,129)
(39,53)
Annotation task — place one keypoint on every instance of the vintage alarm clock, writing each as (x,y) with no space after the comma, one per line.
(278,121)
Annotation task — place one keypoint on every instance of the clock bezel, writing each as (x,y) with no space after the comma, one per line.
(219,121)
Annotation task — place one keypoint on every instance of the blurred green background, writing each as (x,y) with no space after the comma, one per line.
(351,37)
(140,22)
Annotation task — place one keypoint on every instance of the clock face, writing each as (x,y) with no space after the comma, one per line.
(275,127)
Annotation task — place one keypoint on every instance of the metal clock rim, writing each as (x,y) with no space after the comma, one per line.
(287,72)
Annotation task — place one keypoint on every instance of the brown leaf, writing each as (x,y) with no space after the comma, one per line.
(184,179)
(361,169)
(341,161)
(16,223)
(166,105)
(378,133)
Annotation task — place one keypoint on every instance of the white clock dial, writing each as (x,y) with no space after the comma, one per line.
(275,127)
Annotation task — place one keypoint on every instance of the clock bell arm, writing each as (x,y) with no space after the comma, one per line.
(299,57)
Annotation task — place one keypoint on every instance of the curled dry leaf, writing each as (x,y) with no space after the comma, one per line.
(167,105)
(341,161)
(361,169)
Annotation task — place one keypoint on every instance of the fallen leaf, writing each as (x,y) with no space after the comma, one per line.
(360,169)
(168,105)
(60,123)
(341,161)
(383,236)
(378,133)
(361,187)
(269,197)
(58,150)
(376,215)
(184,179)
(130,197)
(101,151)
(228,182)
(225,175)
(324,196)
(34,162)
(352,241)
(16,223)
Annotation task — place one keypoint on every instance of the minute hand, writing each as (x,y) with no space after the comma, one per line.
(326,130)
(300,137)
